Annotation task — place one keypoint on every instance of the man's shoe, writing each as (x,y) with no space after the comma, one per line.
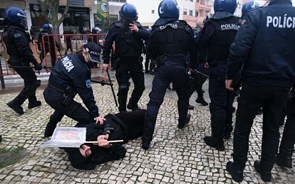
(284,159)
(190,107)
(17,108)
(181,125)
(145,145)
(215,143)
(201,101)
(34,104)
(236,175)
(265,175)
(49,129)
(133,107)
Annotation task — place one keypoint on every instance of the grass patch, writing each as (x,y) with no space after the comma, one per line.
(11,156)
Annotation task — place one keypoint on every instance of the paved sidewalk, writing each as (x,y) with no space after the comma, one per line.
(178,156)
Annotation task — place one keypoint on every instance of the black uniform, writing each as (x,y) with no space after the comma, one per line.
(169,45)
(128,48)
(122,126)
(70,76)
(216,38)
(20,56)
(267,75)
(48,45)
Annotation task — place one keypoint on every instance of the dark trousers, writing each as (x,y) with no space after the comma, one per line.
(74,110)
(129,68)
(165,74)
(52,53)
(288,139)
(272,101)
(30,82)
(196,84)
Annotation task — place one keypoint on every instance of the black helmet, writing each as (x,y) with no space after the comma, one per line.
(16,16)
(128,11)
(224,8)
(248,6)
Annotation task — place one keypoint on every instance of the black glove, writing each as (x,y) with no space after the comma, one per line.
(38,67)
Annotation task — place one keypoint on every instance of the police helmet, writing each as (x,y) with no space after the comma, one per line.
(47,27)
(248,6)
(95,30)
(128,12)
(16,16)
(225,5)
(168,9)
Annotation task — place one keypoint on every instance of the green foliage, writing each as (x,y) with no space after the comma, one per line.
(11,156)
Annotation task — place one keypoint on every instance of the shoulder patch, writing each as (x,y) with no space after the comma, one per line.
(17,35)
(88,83)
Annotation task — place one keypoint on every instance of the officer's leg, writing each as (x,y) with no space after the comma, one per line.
(217,93)
(33,102)
(248,106)
(229,114)
(138,80)
(156,99)
(53,56)
(284,158)
(181,84)
(123,81)
(271,122)
(51,125)
(200,81)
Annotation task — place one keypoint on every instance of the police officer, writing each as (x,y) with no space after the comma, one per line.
(94,35)
(268,72)
(72,75)
(49,45)
(284,158)
(128,36)
(170,42)
(216,37)
(252,4)
(17,43)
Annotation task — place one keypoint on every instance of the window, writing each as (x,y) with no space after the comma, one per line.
(191,13)
(184,12)
(153,11)
(196,14)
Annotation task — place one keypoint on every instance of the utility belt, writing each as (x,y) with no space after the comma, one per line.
(68,93)
(178,59)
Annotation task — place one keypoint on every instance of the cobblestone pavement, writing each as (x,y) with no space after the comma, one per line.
(178,156)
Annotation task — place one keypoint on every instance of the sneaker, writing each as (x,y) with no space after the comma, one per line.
(17,108)
(34,104)
(265,176)
(237,175)
(201,101)
(215,143)
(181,125)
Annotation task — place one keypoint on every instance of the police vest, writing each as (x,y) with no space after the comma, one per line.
(222,37)
(128,43)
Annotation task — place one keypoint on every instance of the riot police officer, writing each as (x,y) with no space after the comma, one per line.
(71,76)
(170,42)
(128,36)
(268,72)
(94,35)
(216,37)
(49,45)
(20,56)
(249,6)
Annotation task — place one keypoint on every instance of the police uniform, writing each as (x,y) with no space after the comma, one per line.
(216,38)
(20,56)
(69,77)
(128,48)
(171,41)
(267,74)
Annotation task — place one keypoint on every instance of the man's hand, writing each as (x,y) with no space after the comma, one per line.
(133,27)
(102,141)
(228,85)
(99,120)
(38,67)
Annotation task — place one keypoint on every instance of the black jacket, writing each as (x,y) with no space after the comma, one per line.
(265,47)
(72,71)
(17,43)
(127,43)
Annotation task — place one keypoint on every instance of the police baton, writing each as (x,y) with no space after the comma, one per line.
(103,82)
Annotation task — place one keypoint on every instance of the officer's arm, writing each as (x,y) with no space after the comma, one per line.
(102,155)
(82,84)
(205,37)
(108,45)
(193,53)
(242,45)
(23,47)
(143,33)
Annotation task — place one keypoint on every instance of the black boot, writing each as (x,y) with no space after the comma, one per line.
(34,104)
(183,123)
(265,175)
(14,105)
(49,129)
(237,175)
(284,158)
(214,142)
(202,101)
(190,107)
